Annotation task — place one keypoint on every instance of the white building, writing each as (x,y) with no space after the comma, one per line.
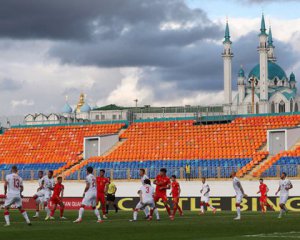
(266,89)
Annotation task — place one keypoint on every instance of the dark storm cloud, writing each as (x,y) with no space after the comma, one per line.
(78,19)
(188,58)
(176,40)
(171,42)
(141,42)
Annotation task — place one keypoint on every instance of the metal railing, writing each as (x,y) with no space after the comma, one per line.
(196,172)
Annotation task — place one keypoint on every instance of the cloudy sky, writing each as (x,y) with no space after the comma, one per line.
(162,52)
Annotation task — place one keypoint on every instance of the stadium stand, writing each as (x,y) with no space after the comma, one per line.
(211,150)
(45,148)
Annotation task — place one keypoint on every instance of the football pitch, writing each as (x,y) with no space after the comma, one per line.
(190,226)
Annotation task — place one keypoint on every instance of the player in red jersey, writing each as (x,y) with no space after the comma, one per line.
(162,184)
(175,193)
(56,199)
(102,184)
(263,190)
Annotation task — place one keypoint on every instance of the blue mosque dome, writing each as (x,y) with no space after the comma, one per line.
(85,108)
(67,108)
(274,70)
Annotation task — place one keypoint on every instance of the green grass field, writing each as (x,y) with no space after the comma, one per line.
(191,226)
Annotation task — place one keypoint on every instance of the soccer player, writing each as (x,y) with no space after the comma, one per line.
(89,196)
(102,185)
(111,195)
(146,194)
(44,193)
(13,188)
(175,193)
(56,199)
(39,196)
(48,187)
(263,190)
(162,184)
(284,187)
(205,197)
(239,194)
(143,176)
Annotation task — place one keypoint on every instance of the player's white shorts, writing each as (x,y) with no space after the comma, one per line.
(205,199)
(13,199)
(47,196)
(283,199)
(239,198)
(40,195)
(142,206)
(90,199)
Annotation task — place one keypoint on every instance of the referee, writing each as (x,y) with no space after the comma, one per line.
(111,196)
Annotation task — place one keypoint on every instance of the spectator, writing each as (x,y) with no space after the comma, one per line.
(187,172)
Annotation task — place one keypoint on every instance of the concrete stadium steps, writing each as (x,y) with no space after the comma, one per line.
(69,165)
(272,159)
(250,175)
(245,172)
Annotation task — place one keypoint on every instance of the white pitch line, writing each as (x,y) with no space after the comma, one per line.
(275,235)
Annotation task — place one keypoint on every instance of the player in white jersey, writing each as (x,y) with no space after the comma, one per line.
(239,194)
(13,188)
(284,187)
(146,193)
(89,196)
(205,190)
(39,195)
(143,178)
(44,195)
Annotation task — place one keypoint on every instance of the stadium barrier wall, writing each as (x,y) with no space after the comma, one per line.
(187,203)
(125,189)
(293,171)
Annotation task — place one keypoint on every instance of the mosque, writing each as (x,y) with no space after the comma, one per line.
(266,89)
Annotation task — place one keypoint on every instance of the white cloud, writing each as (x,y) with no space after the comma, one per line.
(46,81)
(22,103)
(127,91)
(177,25)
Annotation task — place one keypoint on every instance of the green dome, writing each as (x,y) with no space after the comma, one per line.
(292,77)
(274,70)
(241,72)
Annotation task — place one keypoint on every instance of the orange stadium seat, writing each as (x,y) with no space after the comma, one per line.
(61,145)
(182,140)
(156,142)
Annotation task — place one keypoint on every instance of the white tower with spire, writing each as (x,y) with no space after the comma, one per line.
(263,61)
(227,59)
(241,85)
(271,48)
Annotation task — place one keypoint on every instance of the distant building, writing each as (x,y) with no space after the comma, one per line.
(67,115)
(266,89)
